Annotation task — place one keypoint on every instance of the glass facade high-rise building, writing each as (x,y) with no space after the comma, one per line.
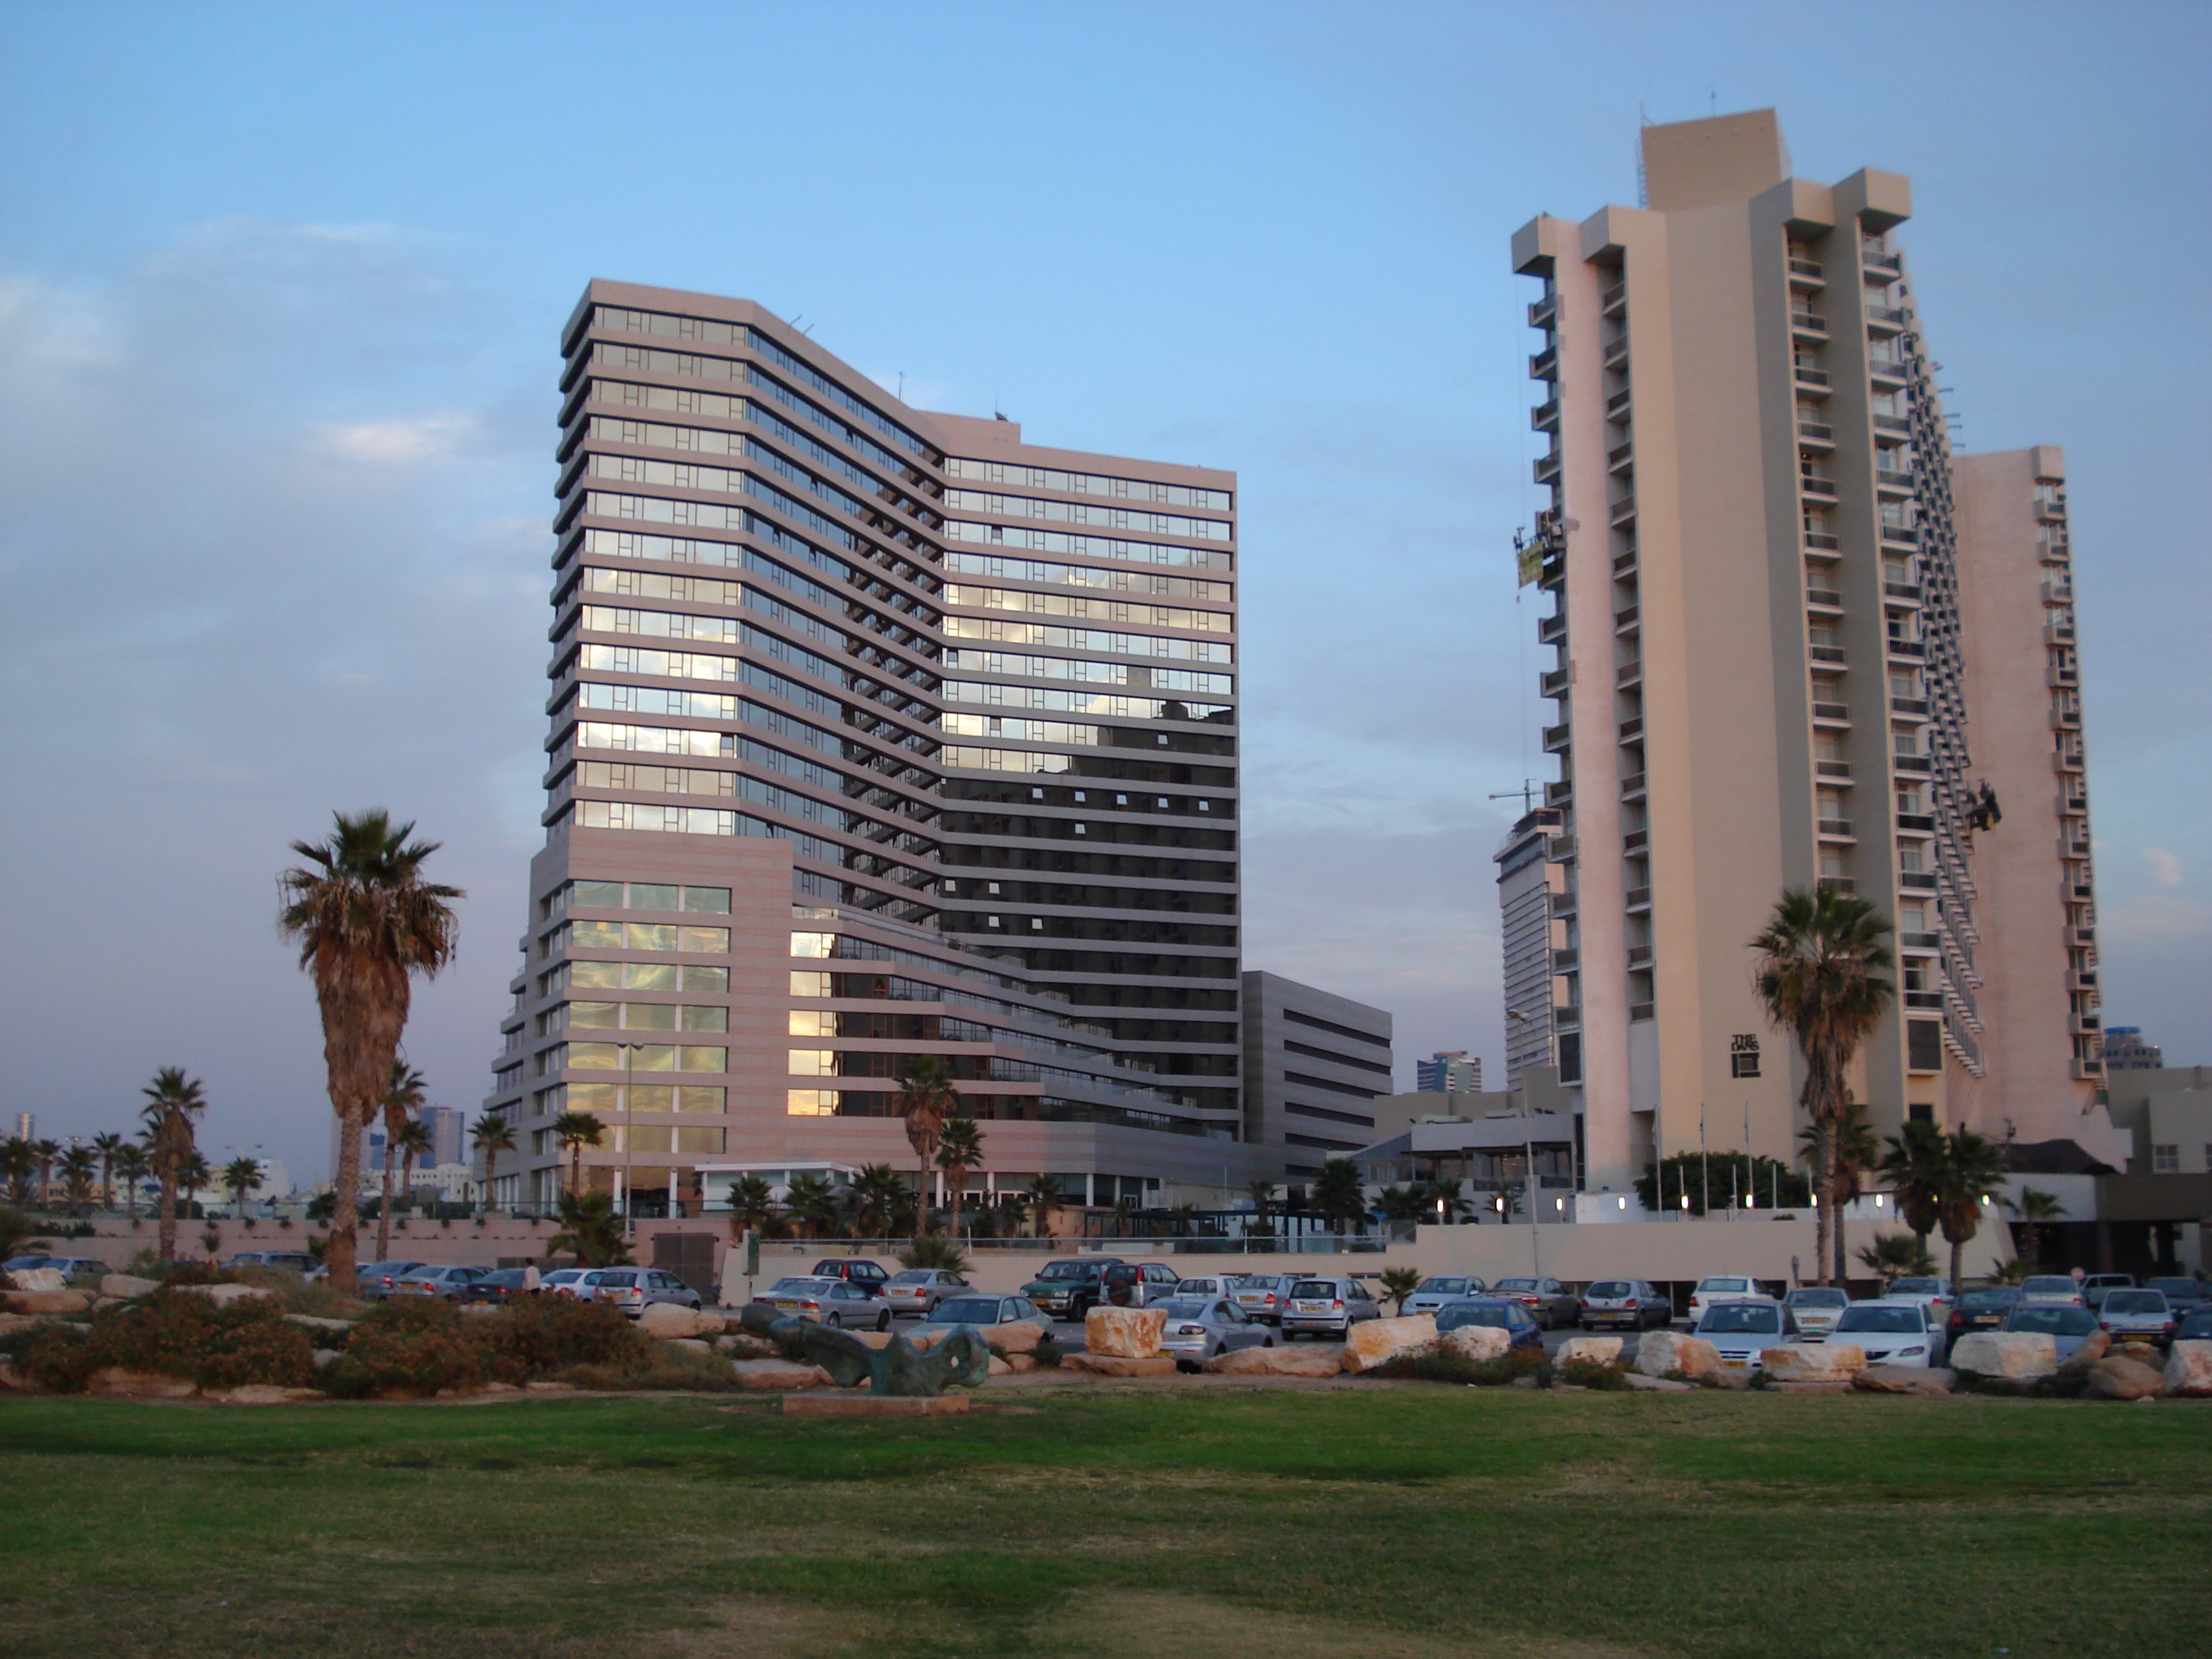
(874,732)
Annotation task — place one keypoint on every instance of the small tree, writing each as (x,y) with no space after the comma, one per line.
(403,1098)
(1917,1164)
(590,1229)
(753,1206)
(412,1142)
(240,1176)
(19,1162)
(491,1134)
(2037,1210)
(174,1102)
(1337,1193)
(1043,1195)
(813,1203)
(1973,1173)
(575,1131)
(879,1201)
(934,1249)
(80,1168)
(959,1153)
(1896,1255)
(106,1145)
(131,1167)
(1399,1283)
(926,1101)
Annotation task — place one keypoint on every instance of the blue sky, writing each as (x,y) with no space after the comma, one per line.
(280,287)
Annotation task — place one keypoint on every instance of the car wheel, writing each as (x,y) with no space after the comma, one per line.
(883,1319)
(835,1322)
(1266,1341)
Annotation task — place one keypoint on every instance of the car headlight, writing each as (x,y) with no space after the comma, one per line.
(1906,1353)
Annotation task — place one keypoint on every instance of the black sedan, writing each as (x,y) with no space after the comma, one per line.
(1982,1310)
(499,1286)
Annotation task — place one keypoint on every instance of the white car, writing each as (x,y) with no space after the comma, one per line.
(1742,1328)
(2052,1290)
(1209,1284)
(1893,1330)
(1936,1293)
(1816,1308)
(1432,1292)
(1721,1287)
(566,1281)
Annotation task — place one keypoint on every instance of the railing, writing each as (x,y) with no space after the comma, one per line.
(1632,784)
(1629,673)
(1625,617)
(1889,314)
(1826,544)
(1807,376)
(1808,269)
(1900,590)
(1908,705)
(1826,596)
(1609,298)
(1832,711)
(1835,827)
(1814,432)
(1632,728)
(1624,562)
(1893,480)
(1810,321)
(1891,423)
(1638,897)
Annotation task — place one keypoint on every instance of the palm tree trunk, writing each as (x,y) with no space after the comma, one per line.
(491,1170)
(576,1166)
(342,1250)
(1958,1262)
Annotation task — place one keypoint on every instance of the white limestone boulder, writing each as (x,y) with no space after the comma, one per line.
(1477,1344)
(1814,1362)
(223,1295)
(2189,1370)
(37,1280)
(775,1376)
(1124,1333)
(127,1287)
(1597,1350)
(1291,1360)
(2117,1377)
(1375,1342)
(666,1319)
(2006,1356)
(1658,1353)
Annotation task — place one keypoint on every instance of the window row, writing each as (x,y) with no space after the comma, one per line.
(627,1137)
(694,821)
(634,896)
(1086,638)
(732,556)
(896,987)
(1084,547)
(727,746)
(1082,575)
(665,624)
(702,780)
(1102,704)
(717,515)
(683,475)
(582,935)
(1102,518)
(633,1056)
(687,976)
(635,1016)
(1064,604)
(708,441)
(605,1099)
(1100,673)
(1085,484)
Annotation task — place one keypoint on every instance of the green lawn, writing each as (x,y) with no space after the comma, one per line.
(1396,1523)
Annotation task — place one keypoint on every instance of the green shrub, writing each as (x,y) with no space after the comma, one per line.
(398,1357)
(175,1335)
(410,1313)
(542,1335)
(1593,1374)
(666,1368)
(1445,1365)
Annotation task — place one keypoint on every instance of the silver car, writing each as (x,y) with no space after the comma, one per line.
(1432,1292)
(374,1279)
(2068,1324)
(1264,1296)
(1630,1302)
(634,1289)
(1207,1285)
(984,1311)
(1745,1328)
(1327,1307)
(919,1289)
(836,1302)
(2137,1316)
(1816,1308)
(2051,1290)
(447,1282)
(564,1281)
(1200,1328)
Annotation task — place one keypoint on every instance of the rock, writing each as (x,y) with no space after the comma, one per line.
(689,1344)
(1903,1379)
(775,1376)
(1660,1352)
(666,1319)
(114,1382)
(1598,1350)
(501,1388)
(264,1393)
(1478,1344)
(2092,1349)
(1814,1362)
(2117,1377)
(2189,1370)
(1020,1337)
(327,1358)
(2143,1354)
(49,1302)
(1110,1364)
(1638,1380)
(10,1322)
(1522,1383)
(1021,1362)
(549,1388)
(1291,1360)
(1124,1333)
(223,1295)
(999,1368)
(313,1323)
(922,1340)
(37,1280)
(14,1380)
(1373,1342)
(127,1287)
(2013,1356)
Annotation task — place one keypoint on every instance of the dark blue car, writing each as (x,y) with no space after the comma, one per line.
(1516,1321)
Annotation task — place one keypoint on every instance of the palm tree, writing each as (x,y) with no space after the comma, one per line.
(1916,1166)
(173,1101)
(132,1166)
(20,1165)
(879,1201)
(403,1098)
(195,1176)
(589,1228)
(491,1134)
(1857,1154)
(925,1100)
(107,1146)
(812,1201)
(1013,1210)
(1262,1195)
(413,1142)
(753,1206)
(1895,1256)
(365,921)
(1444,1198)
(959,1151)
(240,1176)
(575,1131)
(46,1152)
(1399,1283)
(1337,1193)
(1043,1196)
(1973,1172)
(1821,958)
(80,1168)
(2035,1208)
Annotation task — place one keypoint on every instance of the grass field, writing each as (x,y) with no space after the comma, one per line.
(1403,1523)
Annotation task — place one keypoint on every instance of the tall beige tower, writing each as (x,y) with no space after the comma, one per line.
(1759,681)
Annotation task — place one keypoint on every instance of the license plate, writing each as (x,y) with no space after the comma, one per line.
(1737,1364)
(787,1304)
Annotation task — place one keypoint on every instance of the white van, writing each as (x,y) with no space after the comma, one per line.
(1721,1287)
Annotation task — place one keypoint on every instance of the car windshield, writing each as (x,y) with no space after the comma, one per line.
(1820,1299)
(1729,1321)
(1514,1285)
(2057,1322)
(1186,1307)
(1065,1270)
(2001,1296)
(967,1310)
(1492,1313)
(1442,1287)
(1917,1287)
(1610,1290)
(914,1276)
(806,1286)
(1883,1321)
(1725,1286)
(1315,1287)
(2145,1302)
(2047,1285)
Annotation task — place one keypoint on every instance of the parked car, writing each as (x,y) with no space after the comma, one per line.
(563,1281)
(1935,1292)
(297,1261)
(1330,1305)
(1206,1284)
(919,1289)
(447,1282)
(2051,1289)
(634,1289)
(871,1275)
(1070,1289)
(1548,1301)
(2097,1286)
(1520,1326)
(983,1311)
(373,1280)
(1816,1308)
(834,1302)
(1138,1284)
(1201,1326)
(1744,1328)
(1720,1287)
(2194,1327)
(1434,1291)
(2068,1324)
(1262,1294)
(1629,1302)
(1983,1309)
(2137,1316)
(501,1286)
(69,1266)
(2183,1296)
(1893,1332)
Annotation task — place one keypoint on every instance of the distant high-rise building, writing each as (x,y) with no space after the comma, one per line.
(1449,1072)
(1769,574)
(446,1126)
(26,1126)
(875,733)
(1315,1064)
(2125,1050)
(1536,917)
